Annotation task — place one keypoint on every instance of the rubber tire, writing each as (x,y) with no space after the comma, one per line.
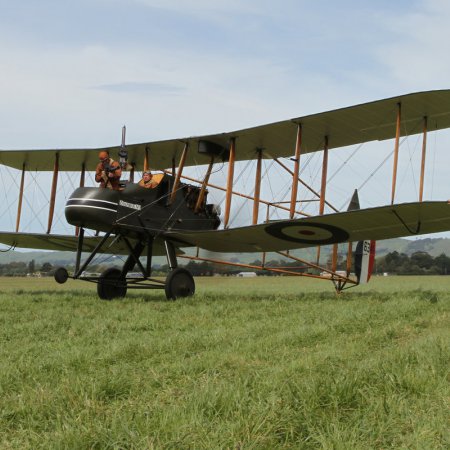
(110,285)
(61,275)
(179,283)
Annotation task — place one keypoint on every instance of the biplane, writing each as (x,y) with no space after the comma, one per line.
(176,215)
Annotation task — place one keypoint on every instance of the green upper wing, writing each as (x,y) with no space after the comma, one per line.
(345,126)
(407,219)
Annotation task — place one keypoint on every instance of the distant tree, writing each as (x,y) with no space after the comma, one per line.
(203,268)
(393,261)
(420,263)
(422,259)
(46,267)
(442,262)
(31,266)
(13,269)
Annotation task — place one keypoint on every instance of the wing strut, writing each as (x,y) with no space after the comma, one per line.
(146,159)
(294,189)
(179,172)
(229,181)
(397,139)
(19,206)
(424,151)
(53,193)
(257,194)
(82,176)
(323,188)
(310,189)
(201,195)
(239,194)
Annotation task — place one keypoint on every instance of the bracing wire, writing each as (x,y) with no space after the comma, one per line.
(345,162)
(244,169)
(372,174)
(6,191)
(411,155)
(243,203)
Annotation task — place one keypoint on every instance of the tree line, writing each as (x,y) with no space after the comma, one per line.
(419,263)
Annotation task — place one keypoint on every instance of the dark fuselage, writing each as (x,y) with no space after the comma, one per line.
(138,211)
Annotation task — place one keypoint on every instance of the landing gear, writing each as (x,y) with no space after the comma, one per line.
(111,284)
(114,283)
(179,283)
(61,275)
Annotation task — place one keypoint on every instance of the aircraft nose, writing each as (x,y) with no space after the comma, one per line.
(94,208)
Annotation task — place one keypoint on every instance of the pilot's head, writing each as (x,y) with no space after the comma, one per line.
(147,176)
(103,156)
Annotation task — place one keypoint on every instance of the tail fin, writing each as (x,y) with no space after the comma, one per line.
(364,260)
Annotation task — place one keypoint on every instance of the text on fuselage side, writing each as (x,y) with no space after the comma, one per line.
(130,205)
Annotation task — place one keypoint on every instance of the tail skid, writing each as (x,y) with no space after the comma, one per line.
(364,253)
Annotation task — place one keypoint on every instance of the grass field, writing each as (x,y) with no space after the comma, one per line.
(260,363)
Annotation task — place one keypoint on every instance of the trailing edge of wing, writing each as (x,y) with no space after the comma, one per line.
(346,126)
(406,219)
(69,243)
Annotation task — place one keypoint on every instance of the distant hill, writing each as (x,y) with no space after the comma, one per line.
(433,246)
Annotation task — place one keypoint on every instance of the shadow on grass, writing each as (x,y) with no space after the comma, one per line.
(70,295)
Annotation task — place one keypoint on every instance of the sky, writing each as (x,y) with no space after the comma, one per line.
(73,73)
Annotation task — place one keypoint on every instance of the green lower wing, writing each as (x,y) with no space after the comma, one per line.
(406,219)
(69,243)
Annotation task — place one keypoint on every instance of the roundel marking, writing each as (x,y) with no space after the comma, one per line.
(307,233)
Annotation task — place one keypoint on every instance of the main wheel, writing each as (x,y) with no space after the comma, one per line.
(61,275)
(111,285)
(179,283)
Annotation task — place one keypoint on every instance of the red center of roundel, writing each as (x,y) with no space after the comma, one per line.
(307,232)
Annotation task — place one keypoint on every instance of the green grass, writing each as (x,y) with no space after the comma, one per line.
(246,363)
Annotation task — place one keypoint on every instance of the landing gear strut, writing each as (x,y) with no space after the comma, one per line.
(179,283)
(114,283)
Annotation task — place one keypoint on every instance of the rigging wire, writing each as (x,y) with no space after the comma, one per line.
(371,175)
(6,191)
(411,167)
(317,168)
(59,220)
(245,167)
(243,201)
(345,162)
(41,205)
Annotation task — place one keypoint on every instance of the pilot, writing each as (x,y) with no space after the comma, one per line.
(108,172)
(148,181)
